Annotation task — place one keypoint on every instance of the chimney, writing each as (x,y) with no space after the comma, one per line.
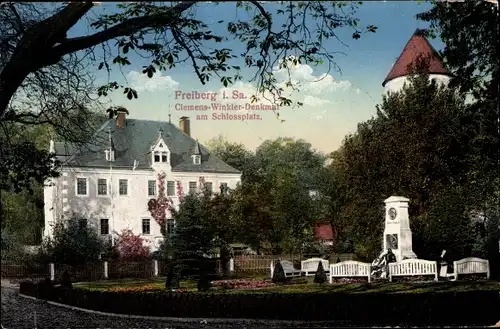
(120,118)
(185,126)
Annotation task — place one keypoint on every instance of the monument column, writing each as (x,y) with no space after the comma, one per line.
(397,232)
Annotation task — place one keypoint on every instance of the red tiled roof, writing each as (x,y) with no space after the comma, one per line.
(324,232)
(417,46)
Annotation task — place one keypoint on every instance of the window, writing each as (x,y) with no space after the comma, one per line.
(160,157)
(123,186)
(82,223)
(102,187)
(197,159)
(81,186)
(146,226)
(170,188)
(170,226)
(192,187)
(151,187)
(223,188)
(209,186)
(104,226)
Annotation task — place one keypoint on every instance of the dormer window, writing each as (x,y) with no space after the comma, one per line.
(197,159)
(110,155)
(160,157)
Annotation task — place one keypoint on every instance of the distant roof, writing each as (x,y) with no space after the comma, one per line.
(417,46)
(324,232)
(134,142)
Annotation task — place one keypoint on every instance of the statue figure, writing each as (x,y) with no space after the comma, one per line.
(380,266)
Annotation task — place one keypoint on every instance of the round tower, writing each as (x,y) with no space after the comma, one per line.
(417,48)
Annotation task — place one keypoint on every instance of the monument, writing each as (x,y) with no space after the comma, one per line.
(397,232)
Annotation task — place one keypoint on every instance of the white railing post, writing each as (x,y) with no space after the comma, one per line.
(105,270)
(52,271)
(155,267)
(231,265)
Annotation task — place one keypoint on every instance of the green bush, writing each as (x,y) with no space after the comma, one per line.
(320,276)
(74,243)
(279,273)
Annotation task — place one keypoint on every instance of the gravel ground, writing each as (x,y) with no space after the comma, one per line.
(20,313)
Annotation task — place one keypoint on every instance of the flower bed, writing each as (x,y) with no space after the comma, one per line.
(135,289)
(242,284)
(349,280)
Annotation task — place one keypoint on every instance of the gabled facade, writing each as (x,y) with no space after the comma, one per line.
(110,180)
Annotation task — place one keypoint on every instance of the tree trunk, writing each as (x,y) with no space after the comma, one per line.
(11,77)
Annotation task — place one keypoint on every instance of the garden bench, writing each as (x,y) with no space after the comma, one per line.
(288,268)
(310,266)
(350,268)
(471,265)
(413,267)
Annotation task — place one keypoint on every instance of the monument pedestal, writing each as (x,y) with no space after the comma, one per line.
(397,232)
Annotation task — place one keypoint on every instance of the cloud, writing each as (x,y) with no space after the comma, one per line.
(302,76)
(315,101)
(141,82)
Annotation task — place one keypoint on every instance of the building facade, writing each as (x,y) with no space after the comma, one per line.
(109,181)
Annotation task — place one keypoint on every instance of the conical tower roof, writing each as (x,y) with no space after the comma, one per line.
(417,47)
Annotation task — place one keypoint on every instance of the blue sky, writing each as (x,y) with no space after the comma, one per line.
(332,107)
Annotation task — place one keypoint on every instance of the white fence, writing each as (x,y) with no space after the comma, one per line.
(413,267)
(350,268)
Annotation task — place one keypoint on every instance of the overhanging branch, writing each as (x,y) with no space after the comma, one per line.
(124,28)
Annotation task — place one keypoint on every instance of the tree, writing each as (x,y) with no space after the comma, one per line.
(278,273)
(274,208)
(192,241)
(170,34)
(234,154)
(417,146)
(320,275)
(470,31)
(74,242)
(131,246)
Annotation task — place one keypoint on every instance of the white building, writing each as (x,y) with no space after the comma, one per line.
(110,181)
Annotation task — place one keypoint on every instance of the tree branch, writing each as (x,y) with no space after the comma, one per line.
(126,27)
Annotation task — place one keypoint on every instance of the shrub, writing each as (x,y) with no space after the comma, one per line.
(66,280)
(173,276)
(279,273)
(131,246)
(320,276)
(204,283)
(74,243)
(44,289)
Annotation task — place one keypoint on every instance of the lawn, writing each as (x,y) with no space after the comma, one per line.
(305,285)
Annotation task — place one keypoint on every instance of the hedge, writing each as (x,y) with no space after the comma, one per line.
(454,308)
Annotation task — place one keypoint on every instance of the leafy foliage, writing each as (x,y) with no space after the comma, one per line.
(320,275)
(192,242)
(169,35)
(74,243)
(131,246)
(416,146)
(278,273)
(160,206)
